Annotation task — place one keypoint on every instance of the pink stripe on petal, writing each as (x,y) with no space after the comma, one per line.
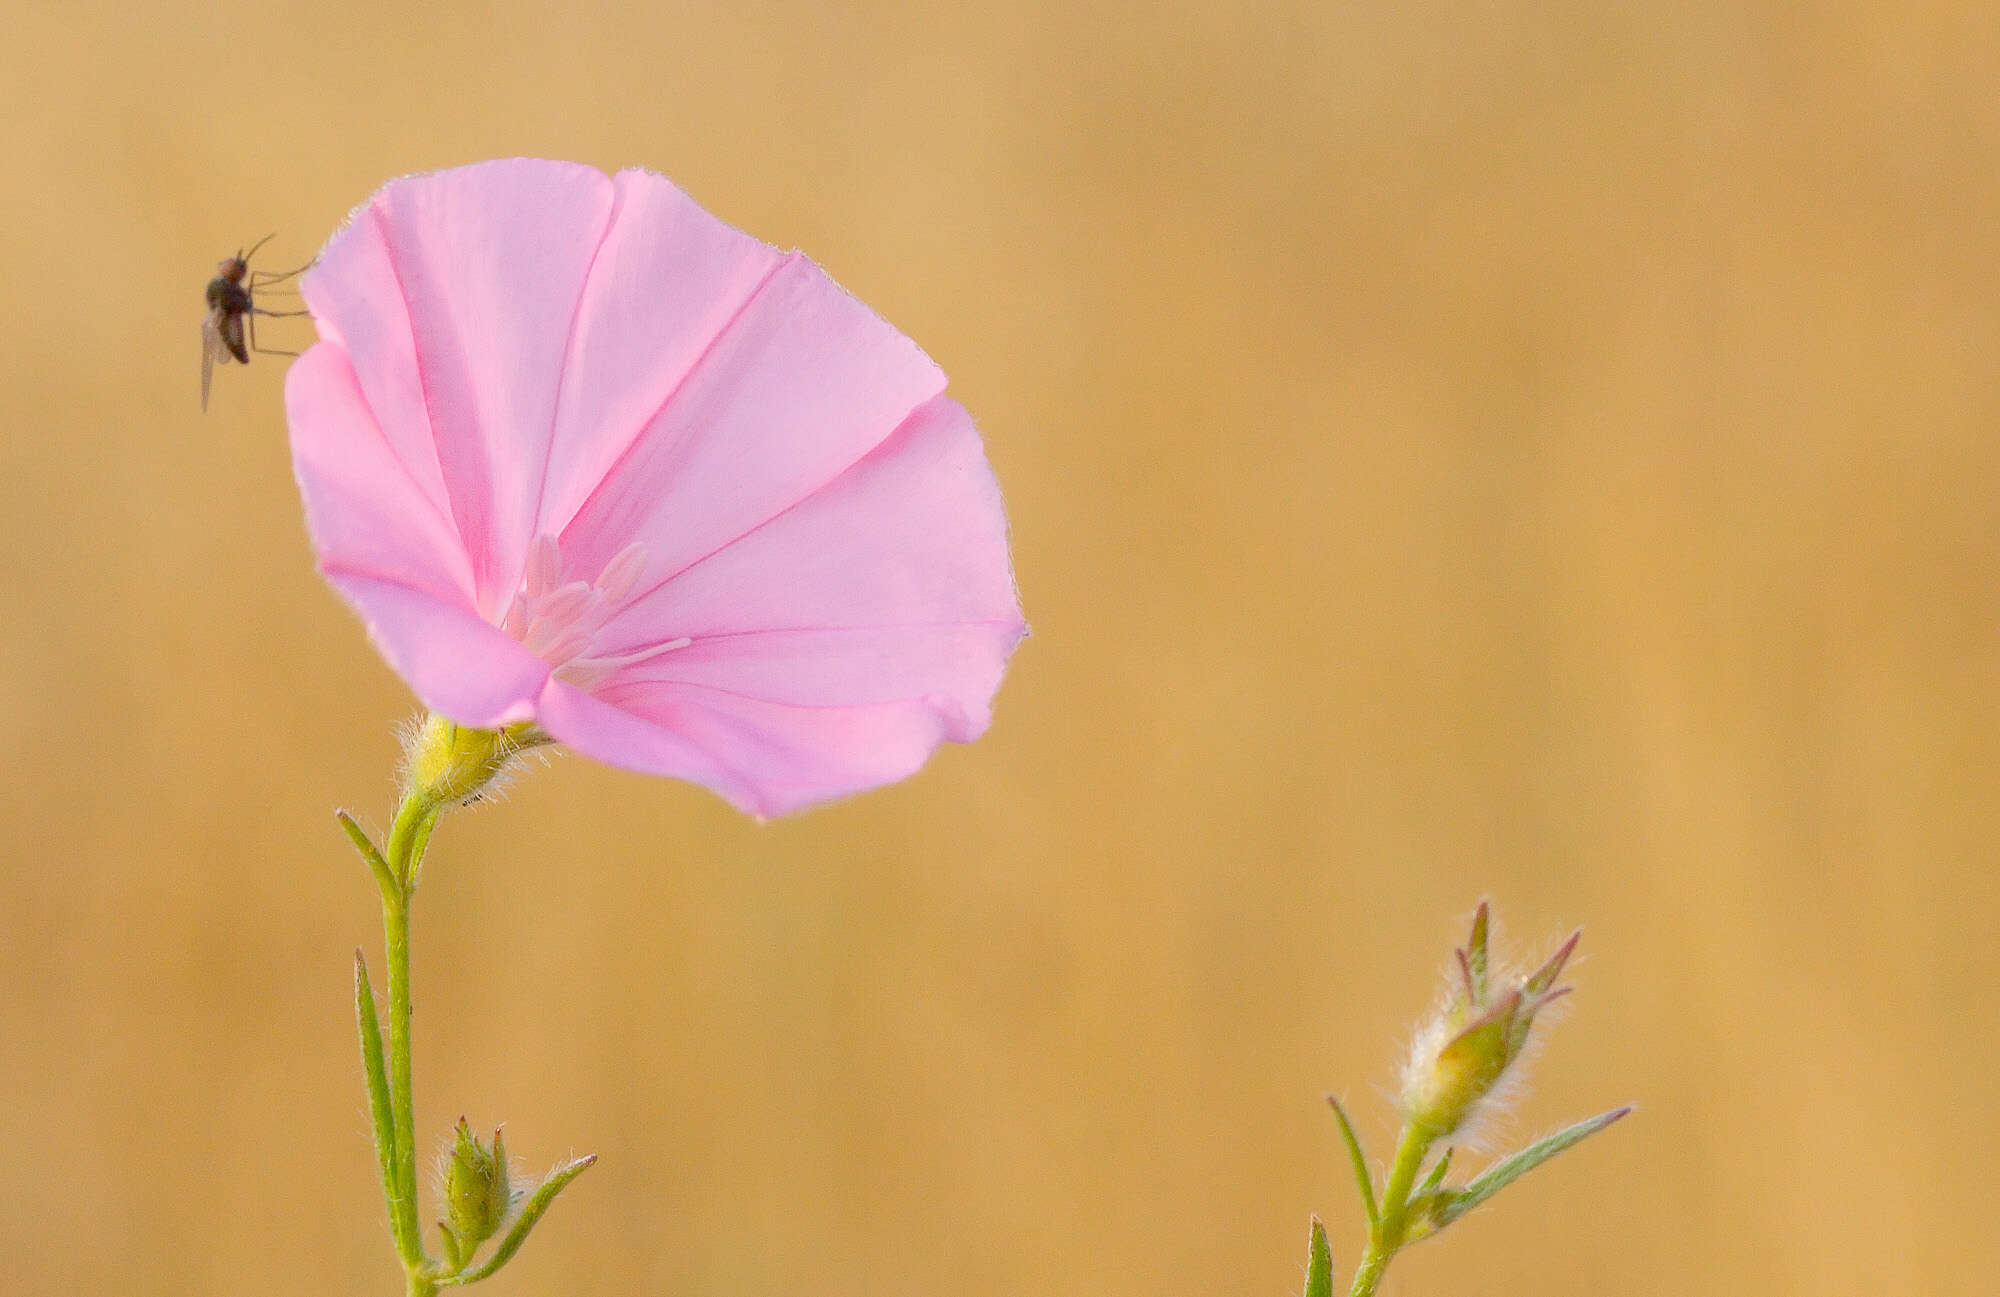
(364,508)
(492,260)
(913,534)
(845,667)
(357,304)
(805,382)
(668,280)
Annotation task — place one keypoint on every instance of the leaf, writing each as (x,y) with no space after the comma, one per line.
(1359,1159)
(1319,1263)
(402,1216)
(1472,958)
(538,1202)
(1543,979)
(1512,1167)
(359,837)
(1438,1173)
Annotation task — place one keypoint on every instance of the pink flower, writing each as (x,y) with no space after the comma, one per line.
(581,454)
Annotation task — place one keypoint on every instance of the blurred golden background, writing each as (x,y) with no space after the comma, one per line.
(1537,450)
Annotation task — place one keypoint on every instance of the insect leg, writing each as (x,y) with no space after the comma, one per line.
(266,278)
(251,320)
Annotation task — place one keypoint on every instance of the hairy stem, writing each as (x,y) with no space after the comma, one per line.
(404,856)
(1386,1235)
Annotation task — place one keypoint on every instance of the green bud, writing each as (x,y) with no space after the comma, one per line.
(477,1196)
(1462,1055)
(447,764)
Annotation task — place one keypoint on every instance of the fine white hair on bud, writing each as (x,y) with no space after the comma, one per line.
(446,764)
(1467,1058)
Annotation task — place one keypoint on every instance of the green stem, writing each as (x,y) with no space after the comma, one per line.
(404,856)
(1386,1236)
(1369,1273)
(446,764)
(396,942)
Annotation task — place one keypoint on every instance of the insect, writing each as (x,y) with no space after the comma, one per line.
(233,312)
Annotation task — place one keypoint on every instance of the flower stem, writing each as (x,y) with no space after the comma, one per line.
(404,856)
(1386,1236)
(446,765)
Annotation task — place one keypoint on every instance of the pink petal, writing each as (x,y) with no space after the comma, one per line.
(458,664)
(668,280)
(914,535)
(961,662)
(490,263)
(802,384)
(367,511)
(383,544)
(764,758)
(837,645)
(619,738)
(357,305)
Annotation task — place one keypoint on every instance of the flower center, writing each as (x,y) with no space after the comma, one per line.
(559,621)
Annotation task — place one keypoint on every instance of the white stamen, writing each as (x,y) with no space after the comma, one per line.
(622,573)
(559,622)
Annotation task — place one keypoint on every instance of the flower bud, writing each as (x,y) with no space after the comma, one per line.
(477,1196)
(1463,1054)
(447,764)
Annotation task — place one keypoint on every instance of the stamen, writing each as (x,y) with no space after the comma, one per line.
(622,573)
(558,621)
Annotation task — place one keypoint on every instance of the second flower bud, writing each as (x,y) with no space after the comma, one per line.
(477,1195)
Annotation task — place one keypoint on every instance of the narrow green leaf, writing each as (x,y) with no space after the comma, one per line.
(538,1202)
(1319,1263)
(359,837)
(454,1255)
(407,1245)
(1511,1168)
(1473,957)
(1359,1159)
(1543,979)
(1438,1172)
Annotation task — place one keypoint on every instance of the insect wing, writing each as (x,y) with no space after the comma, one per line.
(213,348)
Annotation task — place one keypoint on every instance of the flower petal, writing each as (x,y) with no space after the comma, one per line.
(490,262)
(619,738)
(802,384)
(357,305)
(764,758)
(367,511)
(458,664)
(836,646)
(912,535)
(668,280)
(961,662)
(383,544)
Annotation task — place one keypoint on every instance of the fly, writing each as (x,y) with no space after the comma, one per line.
(230,331)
